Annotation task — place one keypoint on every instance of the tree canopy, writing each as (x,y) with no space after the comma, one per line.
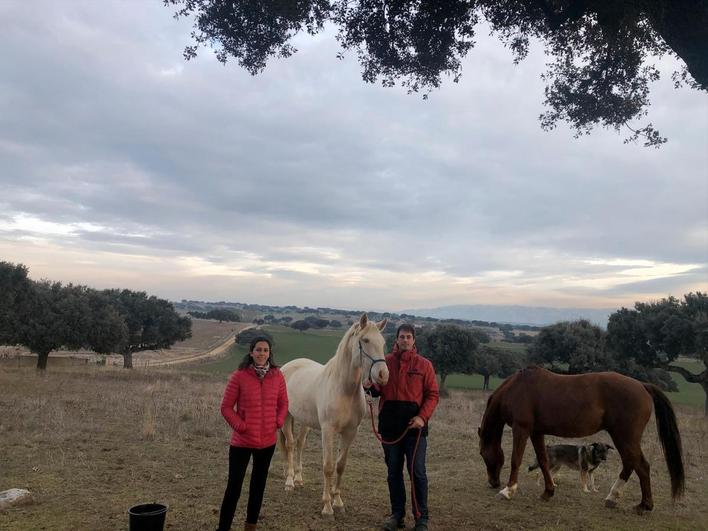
(602,55)
(578,347)
(152,323)
(14,294)
(451,349)
(655,334)
(45,316)
(246,336)
(571,347)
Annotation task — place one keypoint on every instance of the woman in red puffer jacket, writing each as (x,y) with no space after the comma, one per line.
(257,390)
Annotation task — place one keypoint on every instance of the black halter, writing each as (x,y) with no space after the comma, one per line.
(373,361)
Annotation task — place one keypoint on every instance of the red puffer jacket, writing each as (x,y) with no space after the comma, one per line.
(411,390)
(261,407)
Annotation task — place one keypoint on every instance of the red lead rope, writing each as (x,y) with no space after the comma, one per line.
(416,512)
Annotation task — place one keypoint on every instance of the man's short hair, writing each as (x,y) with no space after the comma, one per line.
(405,327)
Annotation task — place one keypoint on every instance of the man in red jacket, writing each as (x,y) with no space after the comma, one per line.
(407,400)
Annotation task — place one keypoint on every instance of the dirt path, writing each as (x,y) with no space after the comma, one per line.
(215,352)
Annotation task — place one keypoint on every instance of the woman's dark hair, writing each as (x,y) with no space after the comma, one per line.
(405,327)
(247,360)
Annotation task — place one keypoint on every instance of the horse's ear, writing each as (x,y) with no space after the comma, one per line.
(382,324)
(363,320)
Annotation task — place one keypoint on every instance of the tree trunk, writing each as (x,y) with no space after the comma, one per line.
(42,358)
(701,379)
(127,360)
(443,390)
(683,24)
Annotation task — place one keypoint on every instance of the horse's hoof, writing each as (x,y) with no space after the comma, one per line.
(547,495)
(501,496)
(299,483)
(641,509)
(610,504)
(339,509)
(327,512)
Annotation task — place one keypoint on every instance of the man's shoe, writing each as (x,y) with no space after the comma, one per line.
(421,525)
(393,524)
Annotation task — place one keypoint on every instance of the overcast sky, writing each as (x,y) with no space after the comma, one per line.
(122,165)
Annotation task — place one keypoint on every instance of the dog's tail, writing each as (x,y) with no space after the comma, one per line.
(533,467)
(670,439)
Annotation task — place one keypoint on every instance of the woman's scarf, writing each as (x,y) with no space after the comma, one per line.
(262,371)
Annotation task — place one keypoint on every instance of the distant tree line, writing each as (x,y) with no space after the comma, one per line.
(44,316)
(274,315)
(315,322)
(219,314)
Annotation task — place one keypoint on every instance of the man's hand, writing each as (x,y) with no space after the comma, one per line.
(416,422)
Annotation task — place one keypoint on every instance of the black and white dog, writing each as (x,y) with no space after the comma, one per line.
(585,458)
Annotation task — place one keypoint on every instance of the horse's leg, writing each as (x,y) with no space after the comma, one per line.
(304,430)
(628,462)
(287,431)
(347,440)
(520,435)
(539,445)
(328,453)
(647,503)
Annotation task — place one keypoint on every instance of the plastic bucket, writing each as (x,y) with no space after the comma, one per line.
(147,517)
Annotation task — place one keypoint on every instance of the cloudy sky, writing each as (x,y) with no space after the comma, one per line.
(122,165)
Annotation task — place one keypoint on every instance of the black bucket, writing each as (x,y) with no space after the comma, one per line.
(147,517)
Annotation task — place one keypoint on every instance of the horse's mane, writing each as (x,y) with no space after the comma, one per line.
(341,348)
(506,383)
(493,403)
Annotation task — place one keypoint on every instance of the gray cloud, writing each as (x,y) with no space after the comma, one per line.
(318,176)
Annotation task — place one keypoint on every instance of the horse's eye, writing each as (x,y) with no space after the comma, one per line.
(365,340)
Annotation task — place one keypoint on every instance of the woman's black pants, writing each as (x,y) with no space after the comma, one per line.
(238,462)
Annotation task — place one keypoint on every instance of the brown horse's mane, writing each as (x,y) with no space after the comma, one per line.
(489,412)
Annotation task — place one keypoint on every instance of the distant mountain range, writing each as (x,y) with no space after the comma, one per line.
(523,315)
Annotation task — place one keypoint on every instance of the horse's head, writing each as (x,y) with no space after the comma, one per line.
(370,346)
(491,451)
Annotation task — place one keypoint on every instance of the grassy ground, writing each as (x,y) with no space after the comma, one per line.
(288,344)
(90,442)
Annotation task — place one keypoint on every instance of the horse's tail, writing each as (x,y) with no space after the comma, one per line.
(670,439)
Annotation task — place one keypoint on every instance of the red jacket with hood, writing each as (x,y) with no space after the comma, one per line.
(411,390)
(261,407)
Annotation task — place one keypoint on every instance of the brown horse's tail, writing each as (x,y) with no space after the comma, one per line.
(670,439)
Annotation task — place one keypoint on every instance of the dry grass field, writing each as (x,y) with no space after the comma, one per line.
(89,442)
(206,335)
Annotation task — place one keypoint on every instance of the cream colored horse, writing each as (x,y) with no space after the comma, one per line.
(330,398)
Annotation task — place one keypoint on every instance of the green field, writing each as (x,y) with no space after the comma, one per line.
(320,345)
(288,344)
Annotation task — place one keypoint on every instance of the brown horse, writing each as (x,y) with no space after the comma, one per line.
(536,402)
